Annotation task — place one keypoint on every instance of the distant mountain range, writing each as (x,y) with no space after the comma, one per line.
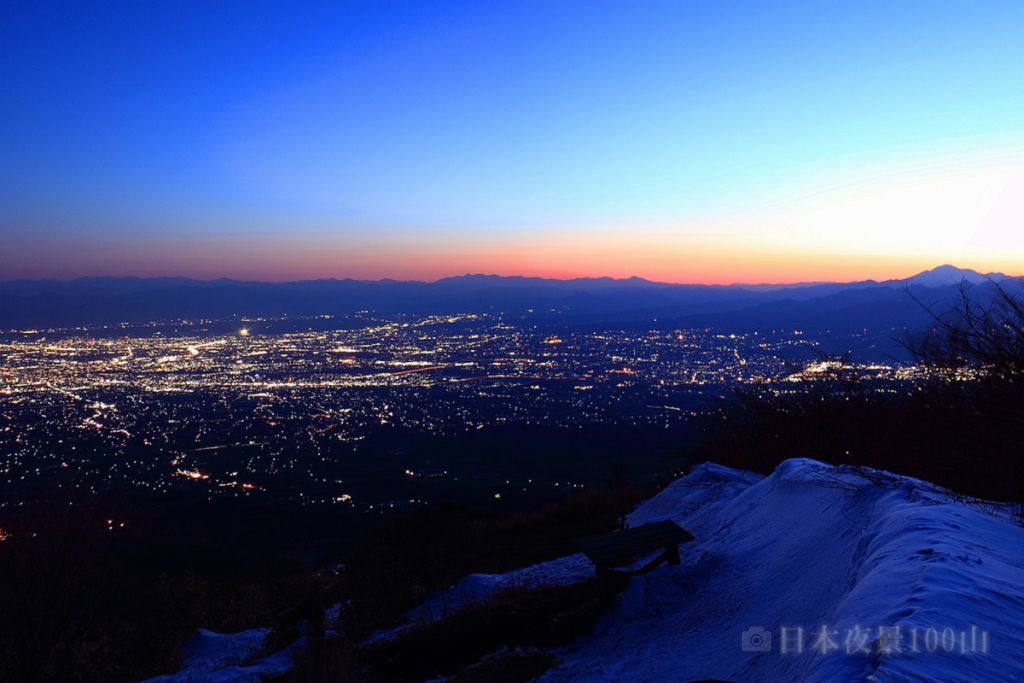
(834,307)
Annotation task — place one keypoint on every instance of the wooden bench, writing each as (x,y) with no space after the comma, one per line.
(608,551)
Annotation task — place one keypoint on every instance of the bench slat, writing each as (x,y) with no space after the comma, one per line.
(620,546)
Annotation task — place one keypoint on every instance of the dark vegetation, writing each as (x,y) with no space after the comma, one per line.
(471,637)
(424,552)
(963,428)
(84,599)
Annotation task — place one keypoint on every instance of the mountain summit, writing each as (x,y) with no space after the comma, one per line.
(951,275)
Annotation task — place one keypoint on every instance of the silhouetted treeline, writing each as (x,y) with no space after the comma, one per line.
(83,598)
(962,428)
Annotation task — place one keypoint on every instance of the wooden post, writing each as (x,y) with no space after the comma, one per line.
(316,638)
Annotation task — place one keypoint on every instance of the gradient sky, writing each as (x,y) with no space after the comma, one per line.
(679,141)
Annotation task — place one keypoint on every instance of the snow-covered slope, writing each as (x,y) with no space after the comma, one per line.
(813,547)
(213,657)
(873,577)
(853,574)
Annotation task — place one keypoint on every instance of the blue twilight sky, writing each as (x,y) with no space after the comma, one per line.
(684,141)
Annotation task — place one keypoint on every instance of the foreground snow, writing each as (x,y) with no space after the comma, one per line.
(854,575)
(814,546)
(873,577)
(213,657)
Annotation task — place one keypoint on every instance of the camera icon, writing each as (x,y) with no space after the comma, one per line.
(756,639)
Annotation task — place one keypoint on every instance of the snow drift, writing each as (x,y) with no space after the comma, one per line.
(872,576)
(814,573)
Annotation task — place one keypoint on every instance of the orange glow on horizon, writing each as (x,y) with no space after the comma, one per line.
(684,260)
(866,223)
